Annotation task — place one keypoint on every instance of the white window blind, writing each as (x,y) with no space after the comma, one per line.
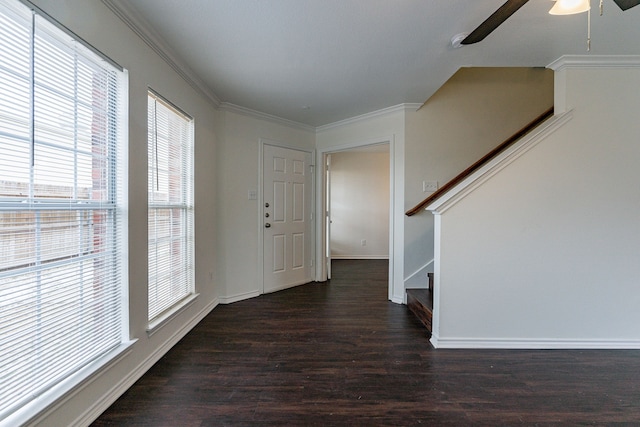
(170,181)
(60,222)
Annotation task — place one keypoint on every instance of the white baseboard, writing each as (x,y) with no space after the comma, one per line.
(434,339)
(359,256)
(533,344)
(256,292)
(290,285)
(239,297)
(93,412)
(398,300)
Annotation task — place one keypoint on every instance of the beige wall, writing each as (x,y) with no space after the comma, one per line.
(472,113)
(360,204)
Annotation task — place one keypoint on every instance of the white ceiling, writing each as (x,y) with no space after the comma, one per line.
(316,62)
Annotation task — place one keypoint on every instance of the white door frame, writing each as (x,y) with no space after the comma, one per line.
(396,213)
(261,143)
(326,213)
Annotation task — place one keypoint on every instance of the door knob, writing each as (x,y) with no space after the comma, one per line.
(267,225)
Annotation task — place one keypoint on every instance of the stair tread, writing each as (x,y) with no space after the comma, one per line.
(423,296)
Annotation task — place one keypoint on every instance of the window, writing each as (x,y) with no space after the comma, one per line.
(171,239)
(61,236)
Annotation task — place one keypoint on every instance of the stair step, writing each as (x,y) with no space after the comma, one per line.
(420,303)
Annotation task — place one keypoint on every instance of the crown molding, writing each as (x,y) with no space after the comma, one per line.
(143,30)
(371,115)
(147,34)
(595,61)
(227,106)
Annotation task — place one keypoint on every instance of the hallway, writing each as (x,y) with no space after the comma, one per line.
(339,353)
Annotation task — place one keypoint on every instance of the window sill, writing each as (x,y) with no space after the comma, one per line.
(159,322)
(38,409)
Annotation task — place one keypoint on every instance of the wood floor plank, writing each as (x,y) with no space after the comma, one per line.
(339,353)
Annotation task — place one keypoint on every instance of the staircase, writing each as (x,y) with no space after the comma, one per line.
(481,162)
(420,303)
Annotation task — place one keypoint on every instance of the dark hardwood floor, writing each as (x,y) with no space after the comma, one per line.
(339,353)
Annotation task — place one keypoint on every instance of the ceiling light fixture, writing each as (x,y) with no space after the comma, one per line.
(570,7)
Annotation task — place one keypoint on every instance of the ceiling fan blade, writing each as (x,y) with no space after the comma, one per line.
(496,19)
(627,4)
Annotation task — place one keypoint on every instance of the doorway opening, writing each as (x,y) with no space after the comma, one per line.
(355,205)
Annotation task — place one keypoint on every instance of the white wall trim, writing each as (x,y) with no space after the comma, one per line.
(396,219)
(139,25)
(596,61)
(53,399)
(420,272)
(227,106)
(369,116)
(147,34)
(394,299)
(437,256)
(359,257)
(239,297)
(397,293)
(287,286)
(108,398)
(319,208)
(164,320)
(502,160)
(533,344)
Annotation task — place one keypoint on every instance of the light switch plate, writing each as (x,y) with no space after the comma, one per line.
(429,186)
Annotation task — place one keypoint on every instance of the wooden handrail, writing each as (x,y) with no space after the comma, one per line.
(490,155)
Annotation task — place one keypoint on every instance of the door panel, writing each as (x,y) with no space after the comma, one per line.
(279,252)
(298,213)
(279,201)
(286,213)
(298,250)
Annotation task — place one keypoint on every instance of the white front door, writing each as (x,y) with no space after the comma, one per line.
(287,228)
